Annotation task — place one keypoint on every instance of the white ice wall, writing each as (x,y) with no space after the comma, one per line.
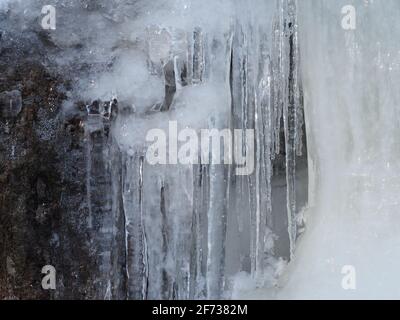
(351,80)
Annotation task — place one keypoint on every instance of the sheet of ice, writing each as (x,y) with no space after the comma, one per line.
(352,113)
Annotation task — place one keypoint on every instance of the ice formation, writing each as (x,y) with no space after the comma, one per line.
(187,231)
(351,108)
(191,229)
(278,67)
(243,72)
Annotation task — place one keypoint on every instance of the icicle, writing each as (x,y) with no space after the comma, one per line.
(189,230)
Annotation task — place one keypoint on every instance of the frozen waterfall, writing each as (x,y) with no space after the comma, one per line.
(352,112)
(299,98)
(200,231)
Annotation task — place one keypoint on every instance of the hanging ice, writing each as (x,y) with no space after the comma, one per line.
(350,247)
(165,231)
(190,229)
(208,225)
(75,109)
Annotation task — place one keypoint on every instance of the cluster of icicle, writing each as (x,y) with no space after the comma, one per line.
(189,229)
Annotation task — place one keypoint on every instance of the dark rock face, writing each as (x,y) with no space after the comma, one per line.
(50,212)
(10,104)
(45,159)
(33,181)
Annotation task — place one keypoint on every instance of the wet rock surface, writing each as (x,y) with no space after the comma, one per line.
(44,212)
